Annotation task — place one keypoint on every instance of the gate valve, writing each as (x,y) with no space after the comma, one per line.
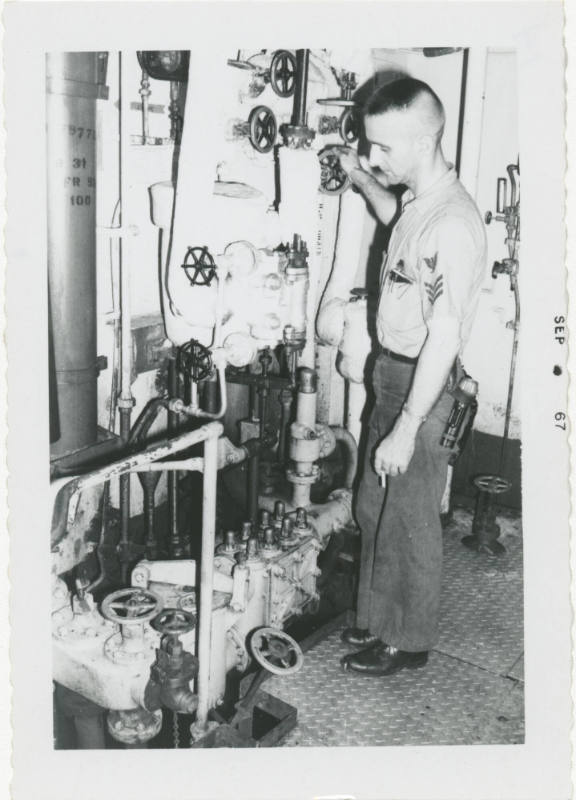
(276,651)
(347,125)
(174,668)
(131,609)
(262,129)
(199,266)
(283,73)
(195,361)
(333,179)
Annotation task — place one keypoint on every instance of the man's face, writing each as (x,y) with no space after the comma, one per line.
(393,143)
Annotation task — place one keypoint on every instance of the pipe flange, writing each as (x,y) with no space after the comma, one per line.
(302,479)
(297,137)
(121,649)
(135,726)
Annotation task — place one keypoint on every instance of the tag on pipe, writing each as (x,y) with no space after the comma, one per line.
(382,479)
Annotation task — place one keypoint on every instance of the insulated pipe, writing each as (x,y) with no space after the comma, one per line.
(173,476)
(206,578)
(355,402)
(72,88)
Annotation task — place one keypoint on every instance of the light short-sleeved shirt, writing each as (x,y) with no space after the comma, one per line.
(435,266)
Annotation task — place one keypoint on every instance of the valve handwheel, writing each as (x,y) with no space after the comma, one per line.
(262,129)
(174,622)
(131,606)
(283,73)
(199,266)
(195,360)
(333,179)
(349,126)
(276,651)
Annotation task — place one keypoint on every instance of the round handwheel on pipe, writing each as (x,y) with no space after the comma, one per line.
(333,179)
(283,73)
(262,129)
(276,651)
(174,622)
(349,126)
(199,266)
(131,606)
(195,360)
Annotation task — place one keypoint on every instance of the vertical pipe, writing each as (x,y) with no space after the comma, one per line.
(206,576)
(462,113)
(254,463)
(175,543)
(126,400)
(301,88)
(72,87)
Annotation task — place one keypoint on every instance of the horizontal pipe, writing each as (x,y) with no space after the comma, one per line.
(156,452)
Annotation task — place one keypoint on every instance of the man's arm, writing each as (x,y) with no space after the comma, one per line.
(382,200)
(393,454)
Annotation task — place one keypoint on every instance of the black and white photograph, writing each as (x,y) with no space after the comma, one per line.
(293,402)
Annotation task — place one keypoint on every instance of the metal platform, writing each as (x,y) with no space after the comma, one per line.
(471,691)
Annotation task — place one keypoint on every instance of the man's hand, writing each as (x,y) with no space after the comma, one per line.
(395,451)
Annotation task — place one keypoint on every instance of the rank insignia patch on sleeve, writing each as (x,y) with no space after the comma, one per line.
(431,262)
(435,289)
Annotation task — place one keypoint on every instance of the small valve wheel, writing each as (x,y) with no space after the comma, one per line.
(333,179)
(174,622)
(199,266)
(276,651)
(349,126)
(283,73)
(262,129)
(131,606)
(195,360)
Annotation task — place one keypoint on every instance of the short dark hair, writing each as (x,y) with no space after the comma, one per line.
(399,95)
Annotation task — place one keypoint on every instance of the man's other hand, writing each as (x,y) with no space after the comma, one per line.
(395,451)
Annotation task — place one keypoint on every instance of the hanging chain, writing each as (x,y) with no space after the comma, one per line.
(175,730)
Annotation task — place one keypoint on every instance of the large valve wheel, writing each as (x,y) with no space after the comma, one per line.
(174,622)
(493,484)
(131,606)
(199,266)
(276,651)
(283,73)
(262,129)
(333,179)
(195,360)
(349,126)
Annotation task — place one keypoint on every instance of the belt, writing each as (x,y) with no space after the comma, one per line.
(398,356)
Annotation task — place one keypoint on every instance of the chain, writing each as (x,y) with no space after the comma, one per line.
(175,730)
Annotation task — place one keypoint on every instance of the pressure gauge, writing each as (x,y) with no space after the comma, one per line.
(165,65)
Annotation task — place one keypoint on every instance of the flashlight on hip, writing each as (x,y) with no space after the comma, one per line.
(464,399)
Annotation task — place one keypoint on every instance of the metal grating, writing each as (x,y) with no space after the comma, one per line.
(471,691)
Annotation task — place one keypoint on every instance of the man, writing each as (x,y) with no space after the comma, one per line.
(429,291)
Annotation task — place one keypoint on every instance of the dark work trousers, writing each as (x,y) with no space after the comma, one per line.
(401,556)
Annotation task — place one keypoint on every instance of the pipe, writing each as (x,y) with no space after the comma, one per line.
(156,452)
(301,88)
(126,400)
(349,442)
(462,111)
(355,402)
(72,88)
(206,578)
(193,410)
(173,390)
(512,373)
(474,120)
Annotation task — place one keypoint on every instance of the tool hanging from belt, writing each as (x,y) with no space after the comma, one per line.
(461,417)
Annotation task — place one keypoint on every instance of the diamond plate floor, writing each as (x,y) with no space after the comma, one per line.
(471,691)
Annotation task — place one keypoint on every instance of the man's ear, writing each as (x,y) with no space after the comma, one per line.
(425,144)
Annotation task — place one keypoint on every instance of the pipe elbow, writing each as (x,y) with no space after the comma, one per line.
(349,443)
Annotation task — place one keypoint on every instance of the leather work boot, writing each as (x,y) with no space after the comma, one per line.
(359,637)
(381,659)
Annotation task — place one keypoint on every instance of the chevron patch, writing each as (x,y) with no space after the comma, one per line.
(435,289)
(431,262)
